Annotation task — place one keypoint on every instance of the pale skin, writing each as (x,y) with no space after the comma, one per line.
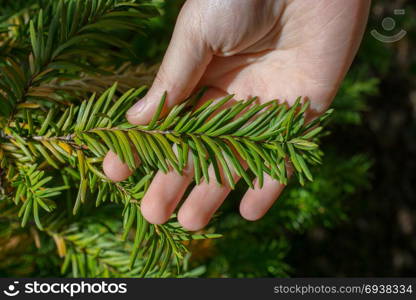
(273,49)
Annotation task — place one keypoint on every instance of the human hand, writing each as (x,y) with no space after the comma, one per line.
(273,49)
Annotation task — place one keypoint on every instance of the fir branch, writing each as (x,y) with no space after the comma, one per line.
(246,138)
(63,38)
(32,193)
(277,133)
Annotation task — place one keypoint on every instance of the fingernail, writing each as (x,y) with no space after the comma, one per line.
(137,108)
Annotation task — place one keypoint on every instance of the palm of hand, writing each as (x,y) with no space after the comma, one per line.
(302,48)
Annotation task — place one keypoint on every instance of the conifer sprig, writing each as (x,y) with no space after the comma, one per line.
(66,38)
(228,140)
(247,138)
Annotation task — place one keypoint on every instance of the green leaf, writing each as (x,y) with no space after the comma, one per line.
(156,115)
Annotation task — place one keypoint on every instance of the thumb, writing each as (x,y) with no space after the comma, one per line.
(184,64)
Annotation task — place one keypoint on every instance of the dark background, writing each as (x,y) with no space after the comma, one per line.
(379,239)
